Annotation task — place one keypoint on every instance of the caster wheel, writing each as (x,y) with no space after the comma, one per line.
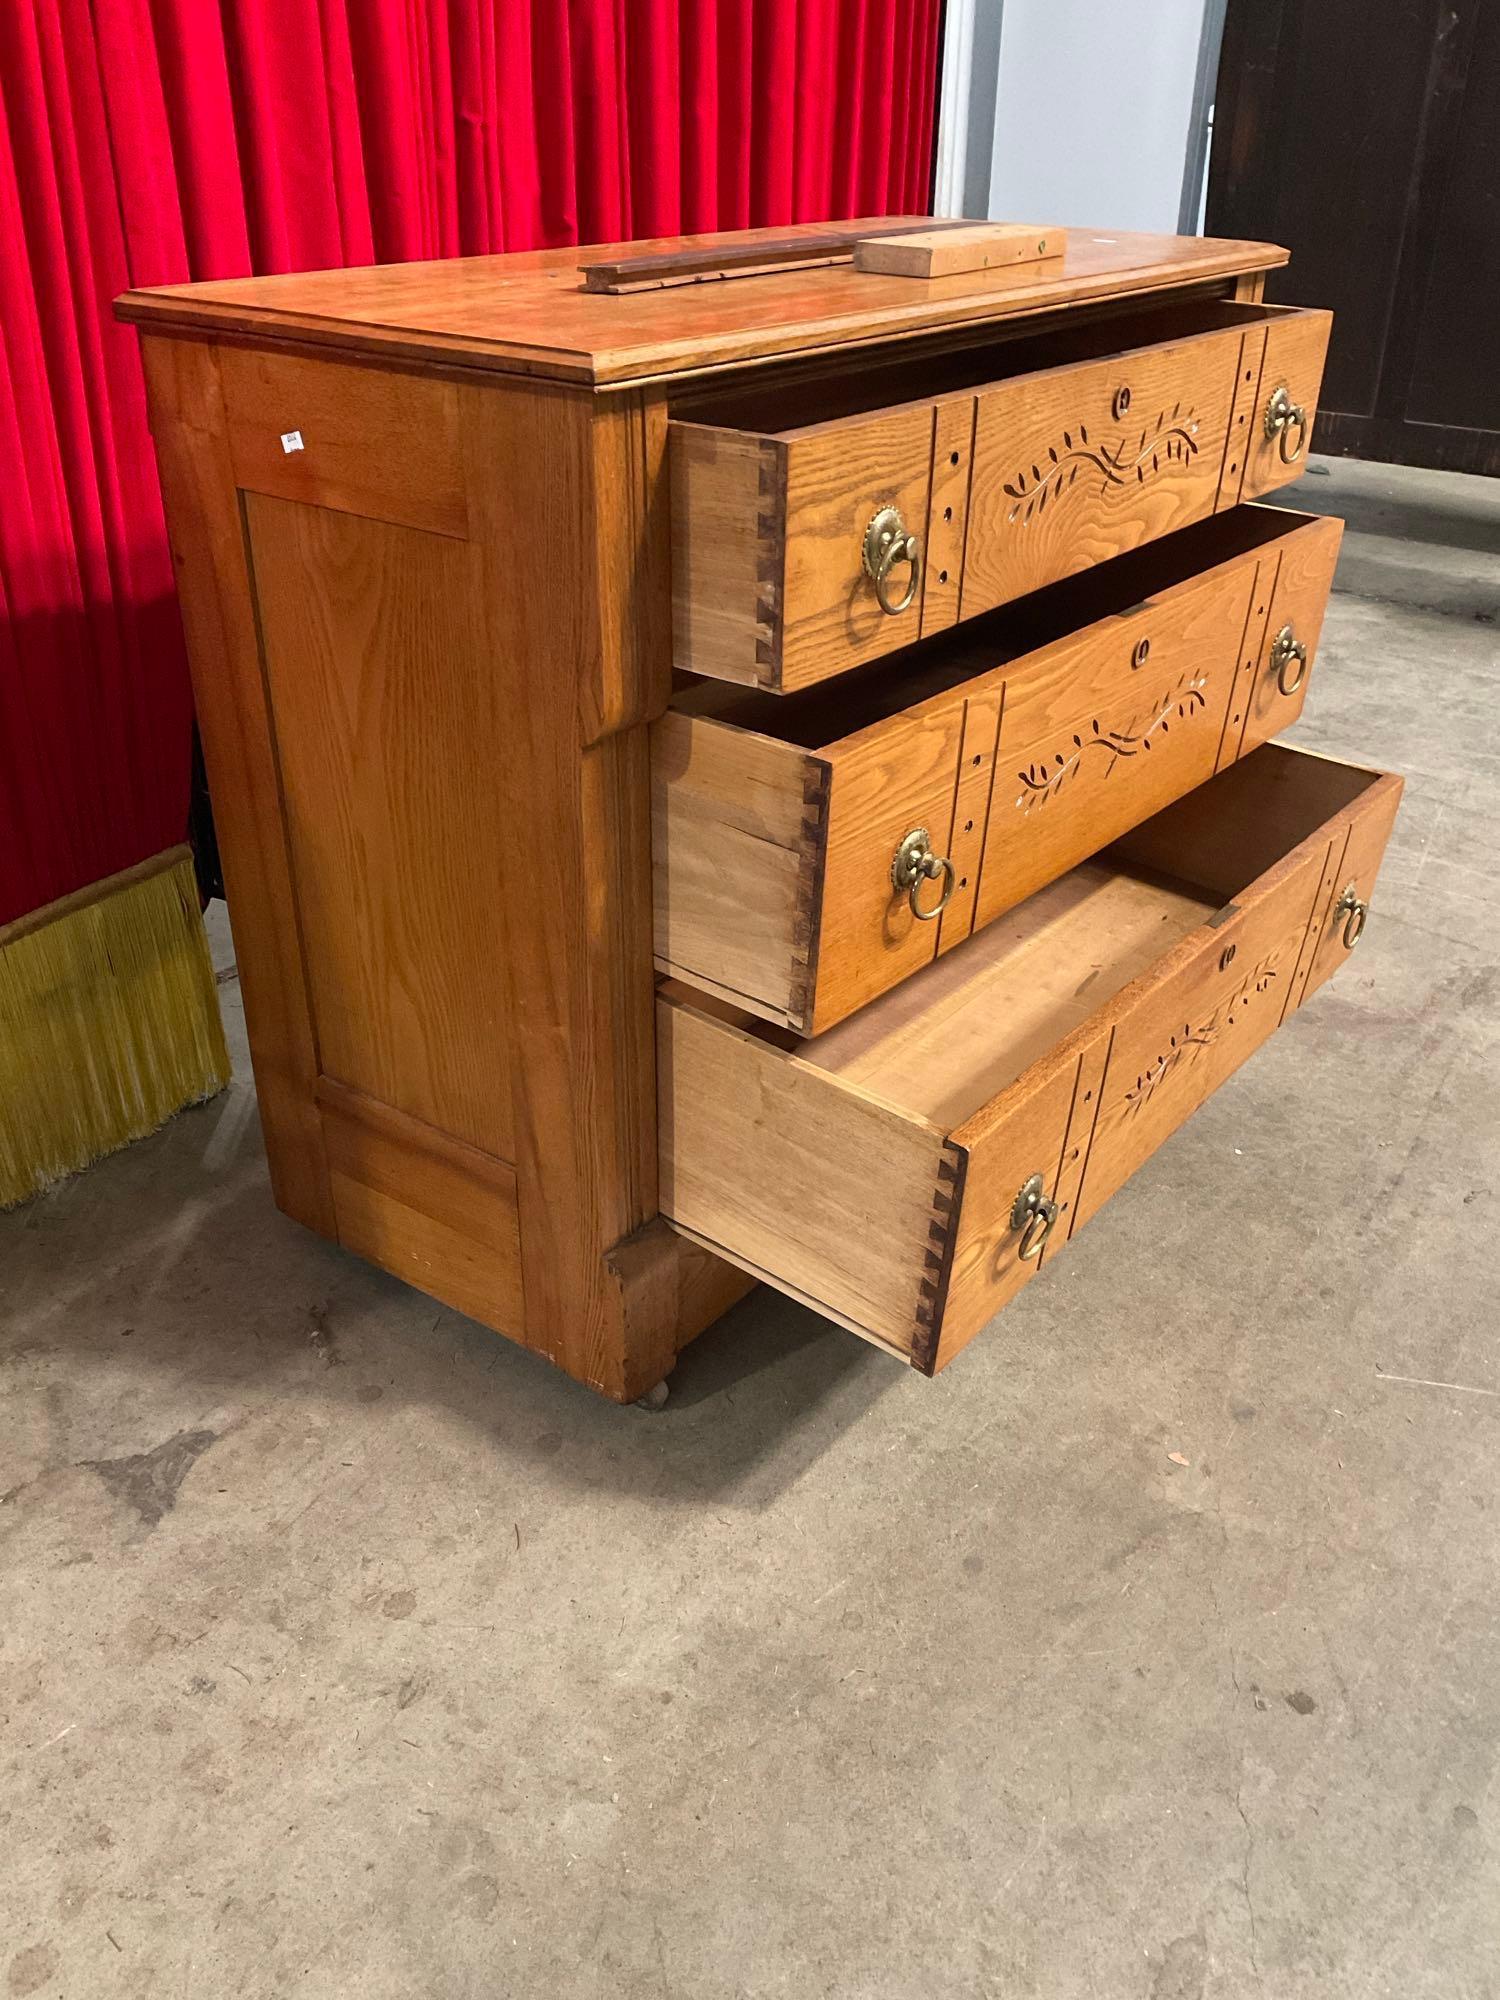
(654,1399)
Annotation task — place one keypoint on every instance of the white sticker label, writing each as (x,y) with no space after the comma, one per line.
(291,441)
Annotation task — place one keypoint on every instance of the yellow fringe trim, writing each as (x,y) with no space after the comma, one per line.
(109,1022)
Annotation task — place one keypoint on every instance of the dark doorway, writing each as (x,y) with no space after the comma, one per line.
(1365,136)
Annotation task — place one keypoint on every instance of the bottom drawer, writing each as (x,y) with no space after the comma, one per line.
(909,1170)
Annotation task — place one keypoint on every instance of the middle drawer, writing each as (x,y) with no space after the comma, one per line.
(811,851)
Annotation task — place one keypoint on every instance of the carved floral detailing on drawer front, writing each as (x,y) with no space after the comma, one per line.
(1184,1042)
(810,538)
(1043,781)
(779,824)
(1073,468)
(1173,441)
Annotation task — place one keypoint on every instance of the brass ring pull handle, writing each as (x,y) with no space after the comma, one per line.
(914,864)
(887,547)
(1283,416)
(1354,913)
(1033,1214)
(1288,651)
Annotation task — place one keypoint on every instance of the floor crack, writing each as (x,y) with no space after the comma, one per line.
(1245,1888)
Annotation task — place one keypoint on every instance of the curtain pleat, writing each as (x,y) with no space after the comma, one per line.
(149,141)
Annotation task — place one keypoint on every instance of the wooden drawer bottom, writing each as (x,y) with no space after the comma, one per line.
(909,1170)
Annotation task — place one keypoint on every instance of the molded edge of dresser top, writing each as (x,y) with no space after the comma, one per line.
(527,312)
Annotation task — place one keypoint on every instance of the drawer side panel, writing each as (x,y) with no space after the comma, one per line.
(735,852)
(728,529)
(822,1189)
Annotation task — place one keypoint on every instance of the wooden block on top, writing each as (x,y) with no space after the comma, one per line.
(946,252)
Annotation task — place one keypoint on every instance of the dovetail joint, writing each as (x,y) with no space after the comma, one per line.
(807,916)
(937,1259)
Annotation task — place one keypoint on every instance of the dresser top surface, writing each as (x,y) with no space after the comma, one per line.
(528,313)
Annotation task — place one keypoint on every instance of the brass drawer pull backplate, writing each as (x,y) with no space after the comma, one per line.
(887,547)
(1289,658)
(1283,416)
(1033,1214)
(915,863)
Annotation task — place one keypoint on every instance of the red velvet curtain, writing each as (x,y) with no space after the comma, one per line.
(145,141)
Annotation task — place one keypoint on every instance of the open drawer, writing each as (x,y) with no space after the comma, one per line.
(811,851)
(818,525)
(907,1172)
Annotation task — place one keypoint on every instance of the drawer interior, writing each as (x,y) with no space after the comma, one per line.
(956,1034)
(961,1031)
(889,1169)
(778,407)
(833,710)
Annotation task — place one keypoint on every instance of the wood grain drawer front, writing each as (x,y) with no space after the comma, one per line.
(1181,1035)
(1074,466)
(909,1170)
(1103,731)
(1281,638)
(773,858)
(769,584)
(1005,486)
(1079,464)
(1296,346)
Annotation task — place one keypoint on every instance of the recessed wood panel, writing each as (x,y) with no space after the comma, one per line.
(369,441)
(439,1214)
(218,610)
(402,862)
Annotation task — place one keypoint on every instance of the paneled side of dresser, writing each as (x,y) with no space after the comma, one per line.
(427,622)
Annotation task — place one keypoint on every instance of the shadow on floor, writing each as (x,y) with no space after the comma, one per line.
(193,1277)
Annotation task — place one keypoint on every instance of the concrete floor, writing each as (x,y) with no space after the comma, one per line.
(346,1650)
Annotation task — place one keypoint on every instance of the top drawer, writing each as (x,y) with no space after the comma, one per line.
(821,525)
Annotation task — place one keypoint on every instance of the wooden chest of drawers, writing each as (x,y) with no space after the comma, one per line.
(762,779)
